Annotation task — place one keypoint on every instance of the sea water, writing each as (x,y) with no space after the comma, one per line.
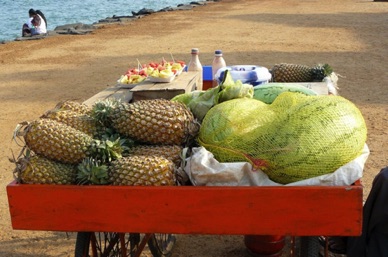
(14,13)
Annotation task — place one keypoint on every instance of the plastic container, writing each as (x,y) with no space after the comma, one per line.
(207,77)
(250,74)
(195,65)
(218,63)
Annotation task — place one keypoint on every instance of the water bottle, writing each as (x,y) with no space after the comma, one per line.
(195,65)
(218,63)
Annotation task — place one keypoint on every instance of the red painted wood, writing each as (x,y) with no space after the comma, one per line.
(318,210)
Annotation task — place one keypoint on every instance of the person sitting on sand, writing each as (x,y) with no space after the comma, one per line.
(36,24)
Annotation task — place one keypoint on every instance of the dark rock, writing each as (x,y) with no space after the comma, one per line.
(143,11)
(197,3)
(167,9)
(35,37)
(74,29)
(184,7)
(109,20)
(124,16)
(84,27)
(67,26)
(51,33)
(77,26)
(127,19)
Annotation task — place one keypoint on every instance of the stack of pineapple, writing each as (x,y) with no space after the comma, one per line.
(111,142)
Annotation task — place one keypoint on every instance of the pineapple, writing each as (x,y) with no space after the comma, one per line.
(73,106)
(55,140)
(170,152)
(40,170)
(142,170)
(286,72)
(157,121)
(82,122)
(60,142)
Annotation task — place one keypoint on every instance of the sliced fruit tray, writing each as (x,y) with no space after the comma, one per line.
(163,72)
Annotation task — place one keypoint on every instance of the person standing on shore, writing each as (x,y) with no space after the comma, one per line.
(36,24)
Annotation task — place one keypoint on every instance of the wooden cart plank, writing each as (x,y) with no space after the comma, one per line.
(117,93)
(316,210)
(184,83)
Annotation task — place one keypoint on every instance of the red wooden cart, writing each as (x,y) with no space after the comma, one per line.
(110,219)
(278,210)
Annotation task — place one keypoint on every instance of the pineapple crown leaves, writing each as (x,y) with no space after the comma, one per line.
(320,71)
(181,176)
(102,109)
(20,163)
(109,149)
(111,135)
(325,68)
(19,132)
(92,172)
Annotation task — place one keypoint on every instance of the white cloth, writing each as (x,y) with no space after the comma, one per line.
(29,23)
(41,29)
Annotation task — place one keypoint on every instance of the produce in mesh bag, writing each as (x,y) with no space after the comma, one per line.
(296,137)
(200,102)
(267,93)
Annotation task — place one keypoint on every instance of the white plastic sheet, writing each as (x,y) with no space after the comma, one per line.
(204,170)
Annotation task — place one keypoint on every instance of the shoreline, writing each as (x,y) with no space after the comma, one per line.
(82,28)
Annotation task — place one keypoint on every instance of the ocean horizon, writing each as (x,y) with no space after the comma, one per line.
(15,12)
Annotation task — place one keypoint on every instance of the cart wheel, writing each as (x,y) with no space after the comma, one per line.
(161,245)
(82,244)
(309,246)
(93,244)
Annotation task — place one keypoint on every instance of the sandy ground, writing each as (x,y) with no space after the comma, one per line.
(350,35)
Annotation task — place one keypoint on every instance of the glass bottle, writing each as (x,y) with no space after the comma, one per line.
(195,65)
(218,63)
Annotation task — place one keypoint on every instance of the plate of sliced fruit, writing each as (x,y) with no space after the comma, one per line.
(162,72)
(132,78)
(165,72)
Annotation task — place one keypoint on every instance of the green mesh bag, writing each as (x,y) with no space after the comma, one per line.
(295,138)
